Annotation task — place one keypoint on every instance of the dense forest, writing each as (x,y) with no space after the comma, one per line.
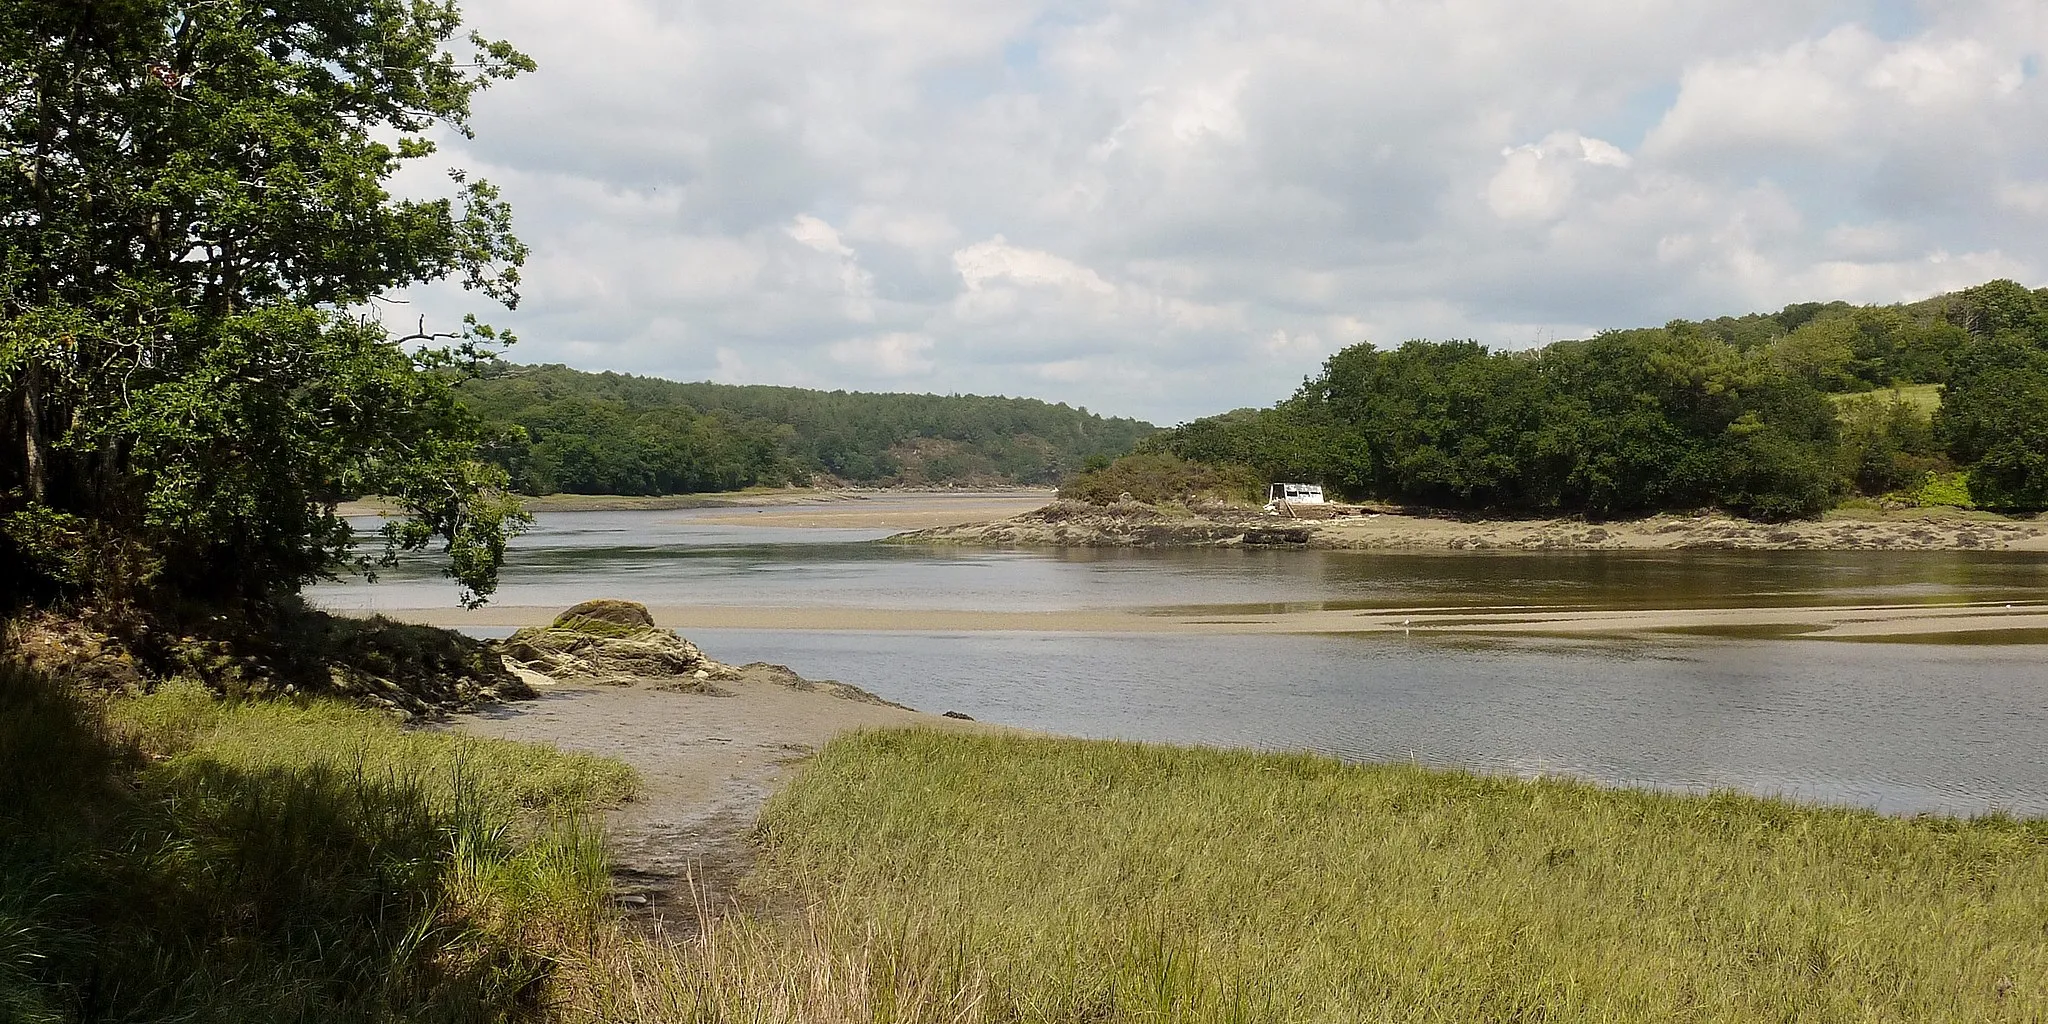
(554,429)
(1769,415)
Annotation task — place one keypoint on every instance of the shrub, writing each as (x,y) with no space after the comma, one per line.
(1158,477)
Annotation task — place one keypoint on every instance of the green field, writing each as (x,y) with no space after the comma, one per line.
(1924,397)
(946,877)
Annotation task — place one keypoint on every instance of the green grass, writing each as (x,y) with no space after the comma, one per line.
(177,858)
(950,877)
(1924,397)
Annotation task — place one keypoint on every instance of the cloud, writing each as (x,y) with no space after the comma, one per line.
(1166,210)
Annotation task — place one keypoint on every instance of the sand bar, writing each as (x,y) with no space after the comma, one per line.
(886,512)
(1818,621)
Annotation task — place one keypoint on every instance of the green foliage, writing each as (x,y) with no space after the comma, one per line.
(558,429)
(1994,418)
(192,860)
(1733,412)
(1944,490)
(194,194)
(1058,880)
(1887,441)
(1157,477)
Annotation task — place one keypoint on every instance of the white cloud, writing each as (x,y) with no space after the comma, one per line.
(817,235)
(889,355)
(1536,181)
(1164,210)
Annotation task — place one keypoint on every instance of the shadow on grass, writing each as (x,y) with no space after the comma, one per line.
(148,888)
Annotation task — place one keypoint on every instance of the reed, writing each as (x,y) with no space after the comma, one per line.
(975,878)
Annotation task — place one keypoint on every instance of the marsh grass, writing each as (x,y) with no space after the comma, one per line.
(178,858)
(953,877)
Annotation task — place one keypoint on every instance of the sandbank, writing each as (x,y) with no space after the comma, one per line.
(1867,621)
(1074,525)
(896,511)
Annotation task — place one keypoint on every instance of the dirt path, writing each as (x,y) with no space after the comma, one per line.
(709,763)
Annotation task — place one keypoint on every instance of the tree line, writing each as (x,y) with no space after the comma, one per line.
(555,429)
(1769,415)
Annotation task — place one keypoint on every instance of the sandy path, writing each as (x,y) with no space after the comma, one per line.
(708,764)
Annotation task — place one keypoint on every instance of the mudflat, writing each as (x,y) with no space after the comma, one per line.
(708,763)
(1811,621)
(887,511)
(1075,525)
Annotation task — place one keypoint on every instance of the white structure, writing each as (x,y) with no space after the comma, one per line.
(1294,494)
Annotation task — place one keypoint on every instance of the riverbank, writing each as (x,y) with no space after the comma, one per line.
(788,506)
(706,761)
(791,850)
(914,875)
(1076,525)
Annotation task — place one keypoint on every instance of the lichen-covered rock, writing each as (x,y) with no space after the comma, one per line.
(606,610)
(608,641)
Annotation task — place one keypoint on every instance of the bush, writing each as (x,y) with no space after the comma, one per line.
(1157,477)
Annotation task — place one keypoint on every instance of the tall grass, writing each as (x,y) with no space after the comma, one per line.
(177,858)
(951,877)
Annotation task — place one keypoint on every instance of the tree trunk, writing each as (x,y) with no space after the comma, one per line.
(35,453)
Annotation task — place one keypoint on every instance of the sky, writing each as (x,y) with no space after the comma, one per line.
(1172,209)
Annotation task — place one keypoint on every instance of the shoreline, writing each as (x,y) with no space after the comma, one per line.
(1073,525)
(763,498)
(2020,622)
(707,763)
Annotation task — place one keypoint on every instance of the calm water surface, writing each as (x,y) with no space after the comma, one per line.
(1898,727)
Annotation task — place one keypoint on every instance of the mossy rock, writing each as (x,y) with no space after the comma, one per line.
(607,641)
(606,616)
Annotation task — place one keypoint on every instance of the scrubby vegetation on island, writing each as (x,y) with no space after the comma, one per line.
(982,878)
(558,430)
(1769,415)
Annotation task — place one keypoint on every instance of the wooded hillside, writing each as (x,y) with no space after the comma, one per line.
(559,429)
(1770,415)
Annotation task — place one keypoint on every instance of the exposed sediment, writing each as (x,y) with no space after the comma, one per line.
(1066,524)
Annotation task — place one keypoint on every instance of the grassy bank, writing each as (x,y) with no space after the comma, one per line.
(946,877)
(176,858)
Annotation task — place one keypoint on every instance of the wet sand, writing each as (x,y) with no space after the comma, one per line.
(1815,621)
(1073,525)
(908,511)
(708,764)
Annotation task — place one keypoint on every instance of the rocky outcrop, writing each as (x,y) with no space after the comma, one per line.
(611,641)
(1124,524)
(410,670)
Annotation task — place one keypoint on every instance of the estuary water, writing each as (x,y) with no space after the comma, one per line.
(1899,727)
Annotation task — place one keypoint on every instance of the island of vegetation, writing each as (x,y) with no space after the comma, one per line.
(213,808)
(1748,428)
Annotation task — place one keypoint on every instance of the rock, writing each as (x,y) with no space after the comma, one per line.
(607,641)
(631,614)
